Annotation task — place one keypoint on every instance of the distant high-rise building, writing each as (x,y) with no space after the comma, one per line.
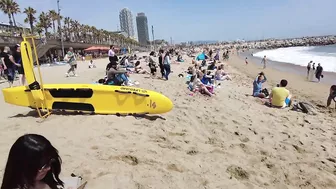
(126,22)
(142,27)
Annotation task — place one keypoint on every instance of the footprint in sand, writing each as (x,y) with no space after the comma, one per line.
(237,172)
(174,167)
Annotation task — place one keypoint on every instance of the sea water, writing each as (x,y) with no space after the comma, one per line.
(326,55)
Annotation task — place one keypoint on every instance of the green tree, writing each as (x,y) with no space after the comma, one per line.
(30,12)
(53,17)
(45,22)
(6,7)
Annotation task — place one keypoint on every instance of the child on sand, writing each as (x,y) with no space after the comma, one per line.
(246,62)
(91,64)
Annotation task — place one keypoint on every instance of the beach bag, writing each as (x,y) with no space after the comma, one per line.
(265,92)
(66,58)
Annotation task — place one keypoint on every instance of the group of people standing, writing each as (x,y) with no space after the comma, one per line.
(11,63)
(312,70)
(164,60)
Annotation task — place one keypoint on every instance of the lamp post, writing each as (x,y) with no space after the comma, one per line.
(60,27)
(153,37)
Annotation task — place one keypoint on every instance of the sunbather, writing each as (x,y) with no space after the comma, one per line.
(32,163)
(280,97)
(117,77)
(257,85)
(197,85)
(221,75)
(138,69)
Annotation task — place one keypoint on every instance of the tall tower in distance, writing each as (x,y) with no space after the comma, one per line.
(142,27)
(126,22)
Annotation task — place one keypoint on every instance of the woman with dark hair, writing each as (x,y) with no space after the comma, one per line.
(33,163)
(161,63)
(152,64)
(166,65)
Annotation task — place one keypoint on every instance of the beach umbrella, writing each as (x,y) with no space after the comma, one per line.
(93,48)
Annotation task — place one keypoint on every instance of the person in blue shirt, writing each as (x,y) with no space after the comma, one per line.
(257,85)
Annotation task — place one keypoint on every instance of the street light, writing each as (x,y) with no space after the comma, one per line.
(60,27)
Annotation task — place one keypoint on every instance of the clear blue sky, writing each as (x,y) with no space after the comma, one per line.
(185,20)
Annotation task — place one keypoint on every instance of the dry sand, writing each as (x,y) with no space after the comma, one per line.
(229,141)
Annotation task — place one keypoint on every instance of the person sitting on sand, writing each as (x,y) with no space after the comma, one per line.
(91,64)
(152,64)
(280,96)
(212,66)
(197,85)
(138,69)
(33,163)
(332,95)
(205,78)
(116,77)
(221,75)
(257,85)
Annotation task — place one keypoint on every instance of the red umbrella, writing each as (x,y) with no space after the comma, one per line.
(93,48)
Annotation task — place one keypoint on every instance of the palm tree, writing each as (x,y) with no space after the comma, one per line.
(39,29)
(15,9)
(54,17)
(67,27)
(6,7)
(45,22)
(30,12)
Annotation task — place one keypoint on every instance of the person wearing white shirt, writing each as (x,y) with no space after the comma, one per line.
(111,53)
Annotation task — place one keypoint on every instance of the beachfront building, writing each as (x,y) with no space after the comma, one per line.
(142,27)
(126,22)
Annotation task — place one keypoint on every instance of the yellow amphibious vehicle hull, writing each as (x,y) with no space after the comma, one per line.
(99,99)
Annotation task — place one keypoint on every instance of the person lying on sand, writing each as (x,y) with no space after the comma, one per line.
(280,97)
(139,70)
(257,85)
(332,95)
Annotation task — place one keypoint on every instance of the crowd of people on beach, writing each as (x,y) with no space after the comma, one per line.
(42,167)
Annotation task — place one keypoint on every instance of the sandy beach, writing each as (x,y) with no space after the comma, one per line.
(231,140)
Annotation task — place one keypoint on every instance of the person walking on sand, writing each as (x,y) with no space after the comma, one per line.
(308,68)
(17,59)
(111,53)
(8,64)
(161,59)
(311,73)
(264,62)
(166,65)
(318,73)
(71,59)
(246,62)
